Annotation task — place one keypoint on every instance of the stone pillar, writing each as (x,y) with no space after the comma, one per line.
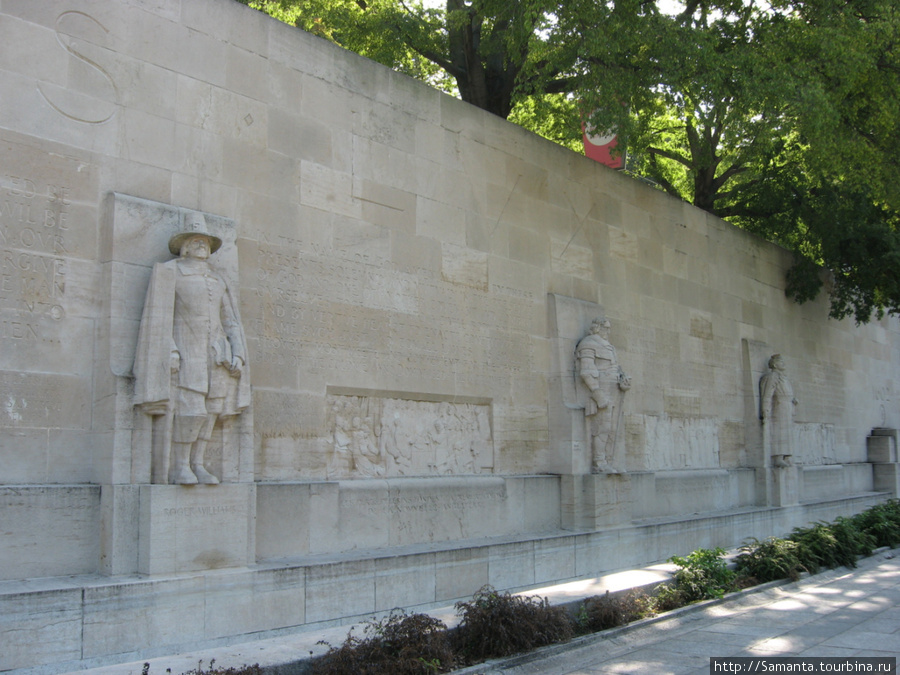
(882,451)
(596,501)
(785,485)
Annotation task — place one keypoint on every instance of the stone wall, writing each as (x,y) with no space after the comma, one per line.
(413,275)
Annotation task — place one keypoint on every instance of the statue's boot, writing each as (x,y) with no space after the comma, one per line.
(180,473)
(199,450)
(184,432)
(204,477)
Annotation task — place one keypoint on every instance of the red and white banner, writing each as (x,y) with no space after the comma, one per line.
(599,147)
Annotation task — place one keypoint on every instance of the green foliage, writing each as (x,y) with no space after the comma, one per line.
(499,624)
(817,547)
(770,560)
(881,522)
(556,117)
(852,541)
(703,575)
(601,612)
(831,545)
(486,50)
(781,117)
(399,644)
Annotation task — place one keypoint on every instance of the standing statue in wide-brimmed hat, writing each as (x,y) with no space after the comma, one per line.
(190,362)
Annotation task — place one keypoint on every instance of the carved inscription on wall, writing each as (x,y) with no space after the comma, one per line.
(34,224)
(383,437)
(329,311)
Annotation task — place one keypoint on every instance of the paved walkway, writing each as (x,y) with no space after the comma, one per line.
(838,613)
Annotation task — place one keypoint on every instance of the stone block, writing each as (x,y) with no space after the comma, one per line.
(404,581)
(340,589)
(881,446)
(886,478)
(40,628)
(240,603)
(278,537)
(554,558)
(188,528)
(49,530)
(785,486)
(511,565)
(140,615)
(461,572)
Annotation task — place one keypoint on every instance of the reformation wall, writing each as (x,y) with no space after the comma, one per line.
(288,338)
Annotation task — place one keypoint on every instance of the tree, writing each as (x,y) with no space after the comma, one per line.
(781,117)
(486,48)
(782,120)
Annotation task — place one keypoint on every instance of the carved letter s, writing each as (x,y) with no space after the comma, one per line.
(81,116)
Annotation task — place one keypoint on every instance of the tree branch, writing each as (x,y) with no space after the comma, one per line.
(659,152)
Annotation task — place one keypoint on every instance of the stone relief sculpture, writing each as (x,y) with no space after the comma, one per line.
(776,410)
(375,437)
(598,367)
(190,363)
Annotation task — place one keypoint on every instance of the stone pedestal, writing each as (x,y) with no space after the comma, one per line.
(882,453)
(785,485)
(190,528)
(596,501)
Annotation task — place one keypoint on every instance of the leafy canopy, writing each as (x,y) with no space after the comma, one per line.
(780,115)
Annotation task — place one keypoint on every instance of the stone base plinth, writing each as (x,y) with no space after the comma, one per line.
(199,527)
(338,516)
(785,485)
(887,478)
(68,623)
(48,530)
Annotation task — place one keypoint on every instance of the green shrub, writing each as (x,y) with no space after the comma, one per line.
(668,597)
(881,522)
(831,545)
(601,612)
(816,546)
(852,541)
(770,560)
(399,644)
(499,624)
(703,575)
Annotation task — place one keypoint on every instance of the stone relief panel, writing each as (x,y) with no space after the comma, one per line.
(664,443)
(814,443)
(374,437)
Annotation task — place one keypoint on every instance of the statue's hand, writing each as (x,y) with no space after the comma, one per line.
(236,365)
(175,362)
(599,399)
(624,382)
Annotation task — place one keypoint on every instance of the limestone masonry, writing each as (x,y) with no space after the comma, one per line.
(287,338)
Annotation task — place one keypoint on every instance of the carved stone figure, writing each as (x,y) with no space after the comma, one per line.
(598,368)
(776,410)
(190,364)
(385,437)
